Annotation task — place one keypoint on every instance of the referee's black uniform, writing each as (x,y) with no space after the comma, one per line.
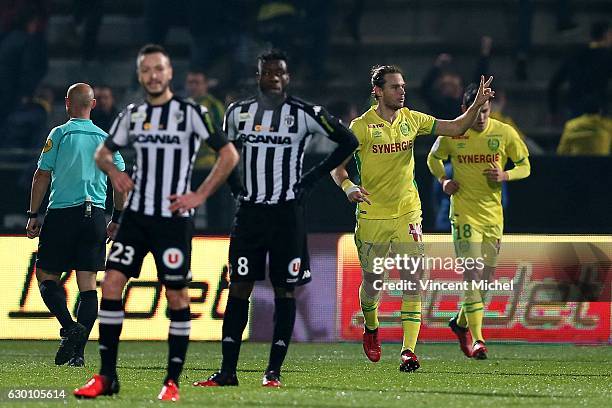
(270,219)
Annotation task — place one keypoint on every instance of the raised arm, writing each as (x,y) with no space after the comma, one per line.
(462,123)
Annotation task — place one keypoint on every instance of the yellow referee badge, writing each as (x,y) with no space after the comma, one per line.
(48,145)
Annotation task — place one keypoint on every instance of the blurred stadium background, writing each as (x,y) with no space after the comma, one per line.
(47,45)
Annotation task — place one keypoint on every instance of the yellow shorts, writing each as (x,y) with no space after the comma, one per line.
(380,238)
(477,241)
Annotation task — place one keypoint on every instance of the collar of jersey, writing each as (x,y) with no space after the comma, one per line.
(471,132)
(384,121)
(161,104)
(81,119)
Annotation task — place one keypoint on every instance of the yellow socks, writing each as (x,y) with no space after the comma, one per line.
(369,307)
(474,312)
(461,319)
(411,320)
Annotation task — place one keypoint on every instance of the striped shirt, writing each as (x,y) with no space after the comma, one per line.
(166,139)
(272,141)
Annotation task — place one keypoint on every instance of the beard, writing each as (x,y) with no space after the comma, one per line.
(155,94)
(393,105)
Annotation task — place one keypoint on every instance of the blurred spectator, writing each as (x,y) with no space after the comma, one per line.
(12,13)
(197,87)
(300,28)
(277,22)
(23,57)
(586,135)
(315,34)
(87,20)
(587,73)
(353,19)
(105,111)
(28,125)
(216,27)
(442,87)
(440,202)
(498,104)
(343,110)
(525,17)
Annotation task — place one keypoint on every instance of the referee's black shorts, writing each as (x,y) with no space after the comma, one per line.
(70,240)
(276,230)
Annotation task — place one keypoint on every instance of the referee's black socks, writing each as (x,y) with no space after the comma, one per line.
(110,318)
(87,312)
(234,321)
(284,320)
(178,340)
(55,298)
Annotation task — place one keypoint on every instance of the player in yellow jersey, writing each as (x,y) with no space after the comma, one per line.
(478,160)
(388,204)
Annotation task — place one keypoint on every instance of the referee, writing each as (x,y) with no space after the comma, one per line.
(74,229)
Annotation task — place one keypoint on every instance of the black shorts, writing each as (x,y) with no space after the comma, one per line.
(276,230)
(69,240)
(168,239)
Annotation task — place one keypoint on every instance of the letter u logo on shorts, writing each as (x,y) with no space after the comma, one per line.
(173,258)
(294,266)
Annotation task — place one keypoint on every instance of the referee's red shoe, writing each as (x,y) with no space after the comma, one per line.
(371,345)
(169,392)
(97,386)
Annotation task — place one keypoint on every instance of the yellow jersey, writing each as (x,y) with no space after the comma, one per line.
(478,201)
(385,161)
(586,135)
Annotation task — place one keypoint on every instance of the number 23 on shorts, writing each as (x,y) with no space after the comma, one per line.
(123,254)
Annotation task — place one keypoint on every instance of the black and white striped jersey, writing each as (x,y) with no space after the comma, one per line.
(166,139)
(272,141)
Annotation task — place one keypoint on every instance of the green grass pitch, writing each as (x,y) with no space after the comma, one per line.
(332,375)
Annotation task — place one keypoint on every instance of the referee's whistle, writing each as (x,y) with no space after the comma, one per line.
(88,207)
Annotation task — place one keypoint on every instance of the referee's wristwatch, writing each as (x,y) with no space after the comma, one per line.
(31,214)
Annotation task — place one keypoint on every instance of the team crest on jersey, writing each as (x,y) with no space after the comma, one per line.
(404,128)
(294,266)
(461,145)
(243,117)
(377,133)
(173,258)
(289,120)
(493,144)
(136,116)
(179,116)
(48,145)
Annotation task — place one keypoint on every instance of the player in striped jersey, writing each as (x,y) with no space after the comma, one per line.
(272,129)
(166,133)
